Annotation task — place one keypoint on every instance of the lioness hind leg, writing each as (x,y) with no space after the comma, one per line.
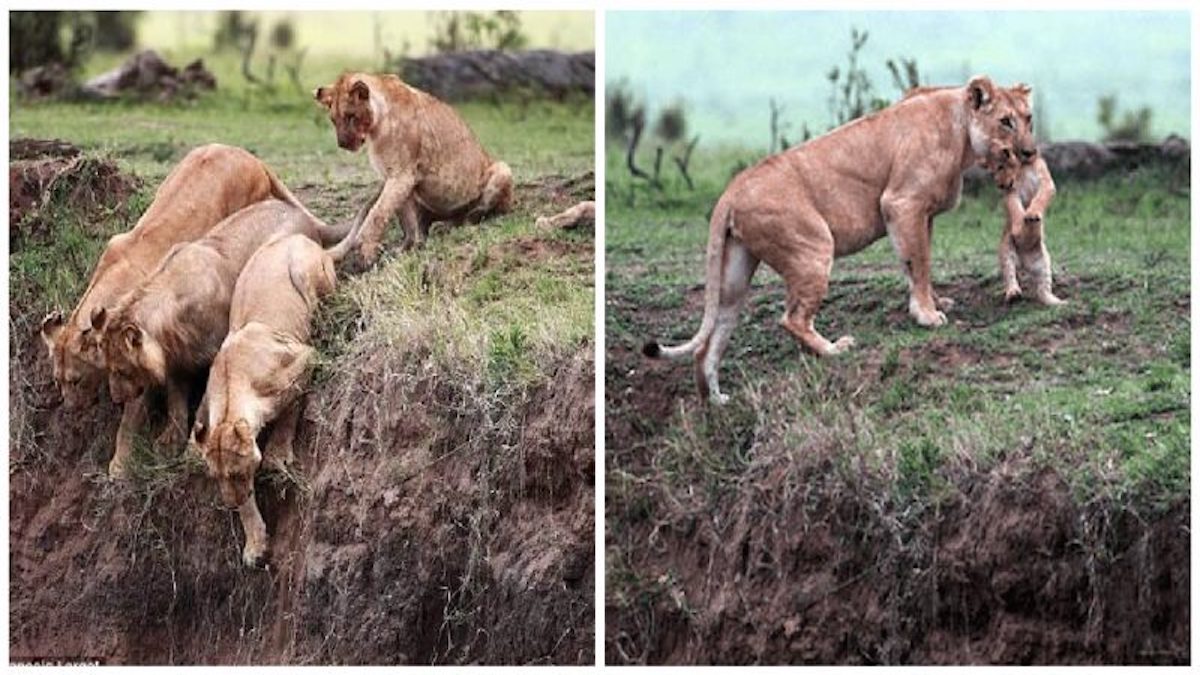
(497,193)
(738,268)
(807,282)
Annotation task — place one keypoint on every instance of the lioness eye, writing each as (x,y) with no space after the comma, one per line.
(1006,122)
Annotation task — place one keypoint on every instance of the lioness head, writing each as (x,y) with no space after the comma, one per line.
(232,456)
(349,104)
(1000,115)
(76,361)
(135,359)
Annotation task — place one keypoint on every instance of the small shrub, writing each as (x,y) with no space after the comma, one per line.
(1131,126)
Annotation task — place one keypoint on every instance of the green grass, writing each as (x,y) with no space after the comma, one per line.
(1098,389)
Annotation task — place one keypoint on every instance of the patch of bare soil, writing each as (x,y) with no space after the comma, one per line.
(798,561)
(40,171)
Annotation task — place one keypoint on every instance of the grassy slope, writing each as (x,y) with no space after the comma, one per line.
(1097,390)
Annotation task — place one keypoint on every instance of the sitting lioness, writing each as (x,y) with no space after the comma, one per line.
(1028,190)
(888,173)
(167,330)
(260,373)
(212,182)
(432,165)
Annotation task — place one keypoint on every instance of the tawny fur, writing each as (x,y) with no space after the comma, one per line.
(1023,240)
(168,329)
(211,183)
(260,373)
(432,165)
(888,173)
(582,214)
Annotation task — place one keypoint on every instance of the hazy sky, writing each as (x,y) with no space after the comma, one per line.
(726,66)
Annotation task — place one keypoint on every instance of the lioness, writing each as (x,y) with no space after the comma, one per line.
(1028,191)
(260,373)
(212,182)
(887,173)
(432,165)
(168,329)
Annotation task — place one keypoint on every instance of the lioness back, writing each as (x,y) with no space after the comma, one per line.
(184,306)
(281,285)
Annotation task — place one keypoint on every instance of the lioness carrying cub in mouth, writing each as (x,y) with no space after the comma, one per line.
(166,331)
(432,165)
(888,173)
(260,373)
(209,184)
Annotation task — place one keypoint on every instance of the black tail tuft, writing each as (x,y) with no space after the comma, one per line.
(652,350)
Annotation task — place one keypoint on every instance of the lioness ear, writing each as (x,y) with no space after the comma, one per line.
(360,91)
(980,91)
(99,317)
(51,325)
(133,337)
(323,96)
(1022,89)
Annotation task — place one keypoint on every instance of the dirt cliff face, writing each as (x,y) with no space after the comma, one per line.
(428,518)
(801,559)
(401,540)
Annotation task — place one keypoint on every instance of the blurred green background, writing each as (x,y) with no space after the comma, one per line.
(725,67)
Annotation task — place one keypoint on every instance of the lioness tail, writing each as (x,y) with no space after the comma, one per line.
(719,226)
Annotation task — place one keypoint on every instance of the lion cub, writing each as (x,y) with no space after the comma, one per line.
(432,165)
(1028,190)
(168,330)
(260,373)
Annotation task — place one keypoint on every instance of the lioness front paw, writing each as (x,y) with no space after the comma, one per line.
(1051,300)
(1012,294)
(841,345)
(931,319)
(171,437)
(717,398)
(117,469)
(254,554)
(367,257)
